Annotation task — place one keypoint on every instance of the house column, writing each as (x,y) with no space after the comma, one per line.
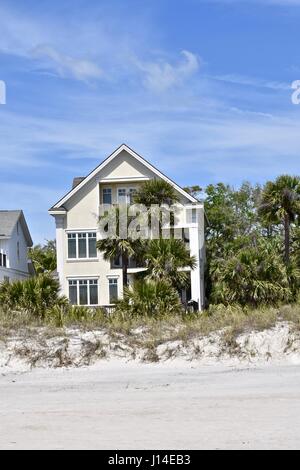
(60,241)
(195,273)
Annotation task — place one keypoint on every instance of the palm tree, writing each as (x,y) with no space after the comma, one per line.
(156,191)
(166,259)
(115,246)
(255,275)
(281,205)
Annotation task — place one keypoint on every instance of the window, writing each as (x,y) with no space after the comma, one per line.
(72,252)
(83,291)
(18,251)
(82,245)
(82,248)
(3,260)
(194,216)
(122,196)
(106,196)
(132,192)
(126,196)
(113,290)
(116,262)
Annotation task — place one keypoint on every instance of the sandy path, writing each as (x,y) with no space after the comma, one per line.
(134,406)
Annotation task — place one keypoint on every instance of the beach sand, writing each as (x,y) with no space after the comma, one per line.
(173,405)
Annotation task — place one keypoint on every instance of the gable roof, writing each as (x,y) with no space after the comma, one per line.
(8,221)
(59,205)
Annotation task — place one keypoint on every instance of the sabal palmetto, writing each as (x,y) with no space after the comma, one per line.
(166,259)
(281,205)
(34,295)
(149,298)
(253,276)
(115,246)
(156,191)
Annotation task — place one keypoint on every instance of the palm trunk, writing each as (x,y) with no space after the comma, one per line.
(125,269)
(287,239)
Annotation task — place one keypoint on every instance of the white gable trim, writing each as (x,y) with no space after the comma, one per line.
(102,165)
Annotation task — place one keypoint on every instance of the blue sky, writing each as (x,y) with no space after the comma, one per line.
(200,88)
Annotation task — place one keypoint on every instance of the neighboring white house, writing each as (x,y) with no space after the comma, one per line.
(85,277)
(15,240)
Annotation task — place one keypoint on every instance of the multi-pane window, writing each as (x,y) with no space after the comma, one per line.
(122,196)
(83,291)
(113,290)
(3,260)
(106,196)
(82,245)
(126,196)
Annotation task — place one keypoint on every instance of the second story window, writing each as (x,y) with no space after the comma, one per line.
(82,245)
(132,192)
(194,216)
(126,196)
(122,196)
(106,196)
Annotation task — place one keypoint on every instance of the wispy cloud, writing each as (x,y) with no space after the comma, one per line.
(67,66)
(161,75)
(252,81)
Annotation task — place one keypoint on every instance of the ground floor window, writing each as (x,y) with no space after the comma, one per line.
(113,290)
(83,291)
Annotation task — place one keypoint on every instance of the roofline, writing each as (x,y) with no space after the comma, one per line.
(105,162)
(26,229)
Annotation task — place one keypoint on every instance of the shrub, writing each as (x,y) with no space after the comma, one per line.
(254,276)
(34,295)
(149,298)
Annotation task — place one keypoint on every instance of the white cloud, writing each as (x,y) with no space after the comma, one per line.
(67,66)
(159,76)
(252,81)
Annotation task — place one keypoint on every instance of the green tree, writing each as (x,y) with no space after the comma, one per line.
(43,257)
(281,205)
